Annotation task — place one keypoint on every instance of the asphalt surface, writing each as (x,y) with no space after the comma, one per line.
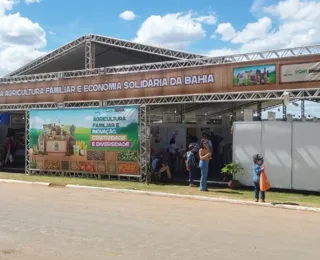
(59,223)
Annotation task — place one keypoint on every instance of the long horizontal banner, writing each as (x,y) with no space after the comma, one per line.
(302,72)
(95,140)
(167,82)
(112,86)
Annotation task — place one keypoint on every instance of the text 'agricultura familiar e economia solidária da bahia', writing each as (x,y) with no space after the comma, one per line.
(113,86)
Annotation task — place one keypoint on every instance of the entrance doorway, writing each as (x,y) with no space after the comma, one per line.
(12,141)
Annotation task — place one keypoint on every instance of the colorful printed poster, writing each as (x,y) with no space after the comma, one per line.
(255,75)
(100,140)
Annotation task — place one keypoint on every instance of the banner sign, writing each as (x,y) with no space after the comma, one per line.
(300,72)
(93,140)
(112,86)
(254,75)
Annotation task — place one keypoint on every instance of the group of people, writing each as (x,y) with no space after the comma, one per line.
(199,156)
(205,155)
(208,157)
(10,148)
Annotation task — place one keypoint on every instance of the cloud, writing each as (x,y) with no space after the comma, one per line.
(89,118)
(289,23)
(21,40)
(128,15)
(36,122)
(256,6)
(32,1)
(14,57)
(226,31)
(6,5)
(176,30)
(221,52)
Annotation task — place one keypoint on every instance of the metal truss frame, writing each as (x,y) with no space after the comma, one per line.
(49,57)
(27,142)
(302,108)
(89,54)
(188,61)
(27,106)
(305,94)
(143,48)
(105,41)
(284,111)
(144,139)
(50,105)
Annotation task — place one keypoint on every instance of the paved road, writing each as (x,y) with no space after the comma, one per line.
(57,223)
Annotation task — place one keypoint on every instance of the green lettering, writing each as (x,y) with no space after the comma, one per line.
(303,71)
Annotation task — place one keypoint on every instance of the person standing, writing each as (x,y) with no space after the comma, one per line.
(257,169)
(192,164)
(9,148)
(172,154)
(221,152)
(209,143)
(156,146)
(205,157)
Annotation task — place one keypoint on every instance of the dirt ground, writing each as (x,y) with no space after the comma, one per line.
(59,223)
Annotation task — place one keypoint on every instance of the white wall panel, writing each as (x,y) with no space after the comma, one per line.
(306,156)
(246,143)
(276,150)
(291,151)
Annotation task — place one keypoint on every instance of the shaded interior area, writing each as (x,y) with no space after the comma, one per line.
(174,127)
(12,142)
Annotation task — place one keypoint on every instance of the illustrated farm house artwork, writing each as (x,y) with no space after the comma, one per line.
(99,140)
(254,75)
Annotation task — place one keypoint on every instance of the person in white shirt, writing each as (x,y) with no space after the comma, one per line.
(221,148)
(172,154)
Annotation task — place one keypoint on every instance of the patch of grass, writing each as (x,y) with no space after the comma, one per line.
(273,197)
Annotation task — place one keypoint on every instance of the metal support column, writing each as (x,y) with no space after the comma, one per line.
(233,113)
(302,108)
(27,144)
(181,114)
(144,140)
(284,112)
(89,54)
(259,111)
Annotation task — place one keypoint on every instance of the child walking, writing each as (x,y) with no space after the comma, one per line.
(257,169)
